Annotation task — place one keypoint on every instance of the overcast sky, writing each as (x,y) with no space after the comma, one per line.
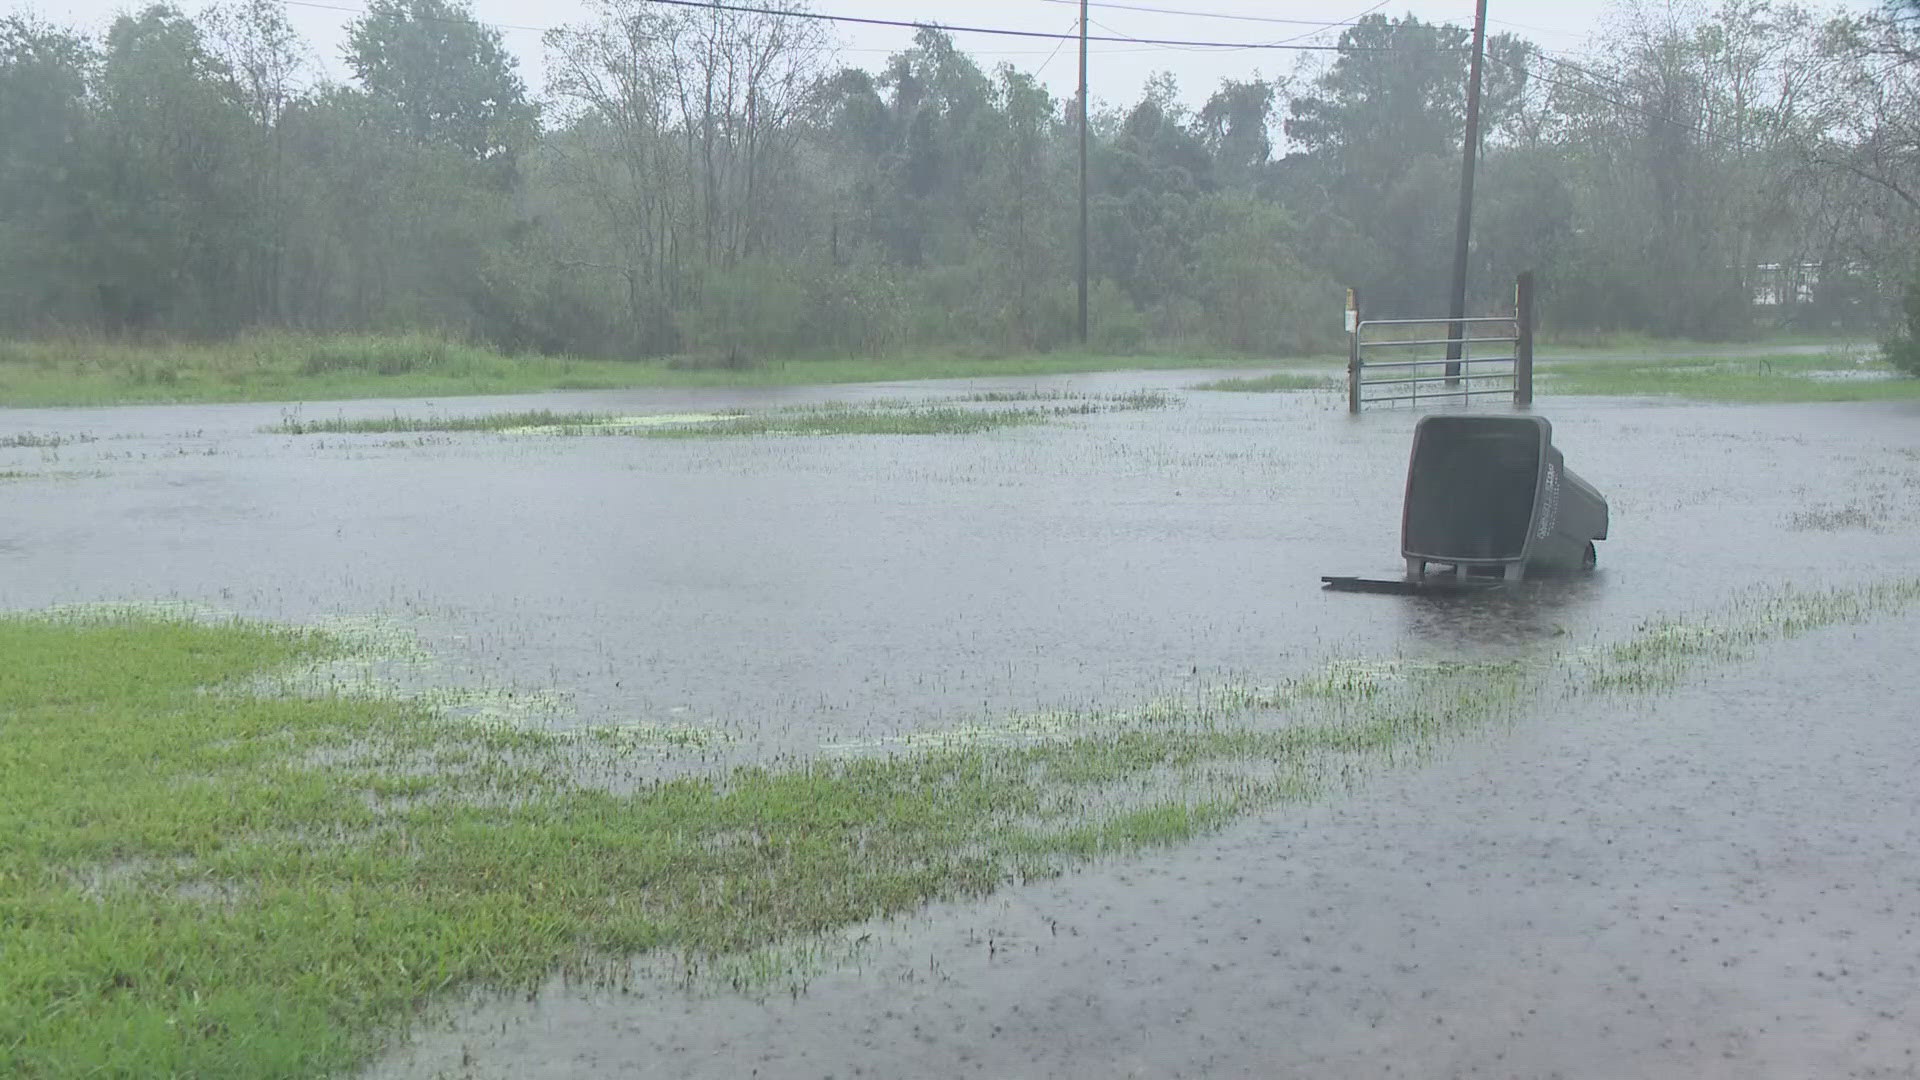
(1117,71)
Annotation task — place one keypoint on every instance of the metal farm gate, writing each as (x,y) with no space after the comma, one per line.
(1384,365)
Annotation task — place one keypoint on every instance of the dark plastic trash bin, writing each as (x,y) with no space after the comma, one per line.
(1493,494)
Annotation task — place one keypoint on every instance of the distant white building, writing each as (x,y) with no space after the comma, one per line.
(1784,284)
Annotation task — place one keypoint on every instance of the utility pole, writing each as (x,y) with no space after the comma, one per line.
(1083,172)
(1464,225)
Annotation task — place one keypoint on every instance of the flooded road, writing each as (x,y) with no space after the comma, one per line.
(1714,882)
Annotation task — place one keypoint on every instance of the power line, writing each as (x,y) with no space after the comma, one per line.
(1350,20)
(1215,14)
(1119,39)
(1118,34)
(523,28)
(858,20)
(1319,27)
(1037,72)
(1616,102)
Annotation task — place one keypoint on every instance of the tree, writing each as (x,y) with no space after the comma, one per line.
(681,133)
(1902,350)
(1380,132)
(1235,125)
(450,78)
(44,173)
(171,212)
(268,64)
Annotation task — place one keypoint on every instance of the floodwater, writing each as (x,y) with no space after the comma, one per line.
(790,592)
(1721,885)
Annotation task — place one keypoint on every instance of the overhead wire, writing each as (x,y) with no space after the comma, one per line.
(953,28)
(1151,44)
(1319,27)
(1056,50)
(1234,17)
(1616,102)
(904,24)
(1351,20)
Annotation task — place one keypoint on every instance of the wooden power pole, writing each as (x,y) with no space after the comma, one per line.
(1463,228)
(1083,172)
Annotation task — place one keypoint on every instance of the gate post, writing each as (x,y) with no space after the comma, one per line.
(1523,340)
(1353,350)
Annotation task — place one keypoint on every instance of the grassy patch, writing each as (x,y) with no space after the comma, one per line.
(52,474)
(215,882)
(28,440)
(294,425)
(223,883)
(1666,650)
(1870,516)
(1278,382)
(1836,375)
(883,418)
(310,367)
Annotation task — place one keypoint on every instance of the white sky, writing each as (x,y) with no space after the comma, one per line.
(1116,71)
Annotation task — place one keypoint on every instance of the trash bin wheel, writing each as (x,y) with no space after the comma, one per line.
(1590,557)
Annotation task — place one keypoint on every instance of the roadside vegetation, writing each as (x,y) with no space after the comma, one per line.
(1902,350)
(205,876)
(301,367)
(196,175)
(931,417)
(1837,374)
(1279,381)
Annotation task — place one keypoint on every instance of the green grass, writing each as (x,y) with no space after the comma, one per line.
(306,367)
(217,882)
(1277,382)
(294,425)
(309,367)
(1755,378)
(883,418)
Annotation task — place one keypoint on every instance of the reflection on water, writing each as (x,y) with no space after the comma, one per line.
(1514,617)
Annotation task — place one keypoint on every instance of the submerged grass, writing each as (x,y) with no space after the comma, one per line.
(1278,382)
(294,425)
(198,879)
(28,440)
(937,417)
(52,474)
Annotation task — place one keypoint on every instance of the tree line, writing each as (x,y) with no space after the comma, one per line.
(707,182)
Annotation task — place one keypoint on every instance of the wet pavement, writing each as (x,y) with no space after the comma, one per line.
(1547,901)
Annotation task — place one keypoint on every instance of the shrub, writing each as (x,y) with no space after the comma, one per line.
(1902,350)
(745,314)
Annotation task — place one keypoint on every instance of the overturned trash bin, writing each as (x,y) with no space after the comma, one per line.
(1491,498)
(1493,493)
